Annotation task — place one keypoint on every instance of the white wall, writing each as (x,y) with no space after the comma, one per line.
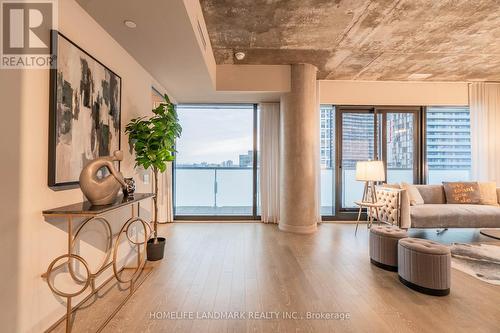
(393,93)
(29,242)
(266,78)
(197,20)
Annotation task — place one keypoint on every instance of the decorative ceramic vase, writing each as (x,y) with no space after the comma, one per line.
(102,190)
(129,189)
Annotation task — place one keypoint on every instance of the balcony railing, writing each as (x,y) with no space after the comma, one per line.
(213,190)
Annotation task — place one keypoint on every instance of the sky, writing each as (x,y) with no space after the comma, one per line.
(214,135)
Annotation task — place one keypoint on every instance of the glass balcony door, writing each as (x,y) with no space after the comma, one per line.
(327,156)
(388,134)
(215,174)
(399,145)
(357,133)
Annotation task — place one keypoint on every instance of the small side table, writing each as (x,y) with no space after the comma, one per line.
(369,206)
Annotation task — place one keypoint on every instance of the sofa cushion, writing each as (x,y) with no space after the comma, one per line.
(455,216)
(424,246)
(394,186)
(488,193)
(388,231)
(413,194)
(462,192)
(432,194)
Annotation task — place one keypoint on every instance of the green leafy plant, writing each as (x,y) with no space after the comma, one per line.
(153,140)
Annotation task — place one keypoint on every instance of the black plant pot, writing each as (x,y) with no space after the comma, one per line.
(155,250)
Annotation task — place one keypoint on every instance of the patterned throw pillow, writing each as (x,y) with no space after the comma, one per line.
(462,192)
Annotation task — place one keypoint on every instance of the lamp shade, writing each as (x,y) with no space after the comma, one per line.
(370,171)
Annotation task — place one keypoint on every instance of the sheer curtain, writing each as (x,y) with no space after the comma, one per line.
(165,197)
(485,131)
(269,161)
(165,203)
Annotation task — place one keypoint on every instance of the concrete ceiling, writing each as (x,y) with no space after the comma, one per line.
(167,43)
(453,40)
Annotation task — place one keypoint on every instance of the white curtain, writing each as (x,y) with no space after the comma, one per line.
(165,203)
(485,131)
(269,161)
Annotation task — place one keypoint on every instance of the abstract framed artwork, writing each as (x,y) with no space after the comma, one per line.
(85,111)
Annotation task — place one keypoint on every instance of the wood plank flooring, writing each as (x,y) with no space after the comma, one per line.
(253,267)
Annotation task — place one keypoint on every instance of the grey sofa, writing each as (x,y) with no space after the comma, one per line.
(436,213)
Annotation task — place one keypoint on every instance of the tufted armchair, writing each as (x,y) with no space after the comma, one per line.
(391,211)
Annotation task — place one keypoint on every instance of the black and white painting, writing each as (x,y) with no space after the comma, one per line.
(85,111)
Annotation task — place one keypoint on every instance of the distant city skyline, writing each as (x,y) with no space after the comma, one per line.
(244,161)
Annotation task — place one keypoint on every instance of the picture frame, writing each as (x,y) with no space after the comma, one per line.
(84,111)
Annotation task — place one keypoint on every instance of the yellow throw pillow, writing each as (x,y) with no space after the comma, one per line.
(488,193)
(462,192)
(413,194)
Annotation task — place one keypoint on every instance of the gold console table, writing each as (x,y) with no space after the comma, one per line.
(89,213)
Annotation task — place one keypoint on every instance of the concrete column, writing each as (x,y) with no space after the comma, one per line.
(299,153)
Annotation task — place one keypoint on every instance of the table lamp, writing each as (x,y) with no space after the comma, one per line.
(370,172)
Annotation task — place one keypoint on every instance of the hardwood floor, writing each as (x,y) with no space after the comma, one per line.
(253,267)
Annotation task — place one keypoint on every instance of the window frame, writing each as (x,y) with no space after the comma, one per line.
(250,218)
(342,214)
(421,167)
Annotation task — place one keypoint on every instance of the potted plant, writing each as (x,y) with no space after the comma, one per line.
(153,140)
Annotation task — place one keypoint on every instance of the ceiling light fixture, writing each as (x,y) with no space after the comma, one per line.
(130,24)
(239,55)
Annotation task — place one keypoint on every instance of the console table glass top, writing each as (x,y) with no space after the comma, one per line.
(85,208)
(86,211)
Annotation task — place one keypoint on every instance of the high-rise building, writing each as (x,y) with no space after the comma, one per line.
(447,138)
(246,160)
(327,135)
(357,138)
(400,141)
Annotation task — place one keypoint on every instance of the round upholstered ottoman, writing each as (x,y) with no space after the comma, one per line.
(384,246)
(424,266)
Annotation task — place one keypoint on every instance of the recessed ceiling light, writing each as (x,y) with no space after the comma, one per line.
(130,24)
(239,55)
(419,76)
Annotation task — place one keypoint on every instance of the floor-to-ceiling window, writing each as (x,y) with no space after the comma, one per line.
(215,172)
(357,139)
(399,145)
(327,155)
(439,151)
(448,144)
(352,134)
(376,133)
